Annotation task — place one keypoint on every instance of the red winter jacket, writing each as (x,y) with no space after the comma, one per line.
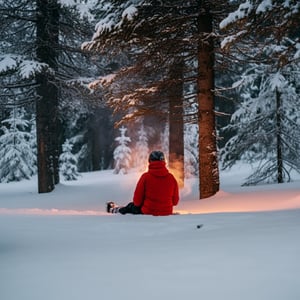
(156,191)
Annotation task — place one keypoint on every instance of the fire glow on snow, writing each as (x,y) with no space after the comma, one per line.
(45,212)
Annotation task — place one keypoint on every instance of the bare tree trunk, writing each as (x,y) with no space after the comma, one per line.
(47,13)
(208,162)
(278,137)
(176,124)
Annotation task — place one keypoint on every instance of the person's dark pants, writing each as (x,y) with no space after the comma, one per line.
(130,208)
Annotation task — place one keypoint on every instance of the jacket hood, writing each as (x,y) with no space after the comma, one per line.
(158,168)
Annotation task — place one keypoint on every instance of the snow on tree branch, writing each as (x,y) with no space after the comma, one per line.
(115,16)
(129,13)
(7,62)
(264,6)
(83,7)
(231,39)
(26,68)
(243,11)
(29,68)
(102,81)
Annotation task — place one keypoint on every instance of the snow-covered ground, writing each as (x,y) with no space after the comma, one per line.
(63,246)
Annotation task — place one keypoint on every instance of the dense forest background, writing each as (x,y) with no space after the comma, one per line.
(94,85)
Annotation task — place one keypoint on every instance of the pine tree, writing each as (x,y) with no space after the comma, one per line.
(208,158)
(266,123)
(47,43)
(266,126)
(165,40)
(122,153)
(41,63)
(68,162)
(17,158)
(141,150)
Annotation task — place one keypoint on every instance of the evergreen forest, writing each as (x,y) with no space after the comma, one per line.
(97,84)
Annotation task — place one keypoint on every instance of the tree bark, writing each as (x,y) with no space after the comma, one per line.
(47,14)
(278,137)
(208,162)
(176,123)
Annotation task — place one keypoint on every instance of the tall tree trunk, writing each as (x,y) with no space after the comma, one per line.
(176,124)
(208,161)
(47,14)
(101,139)
(278,137)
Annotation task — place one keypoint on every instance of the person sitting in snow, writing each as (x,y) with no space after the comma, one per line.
(156,191)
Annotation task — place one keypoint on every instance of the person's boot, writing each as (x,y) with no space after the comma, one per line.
(112,208)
